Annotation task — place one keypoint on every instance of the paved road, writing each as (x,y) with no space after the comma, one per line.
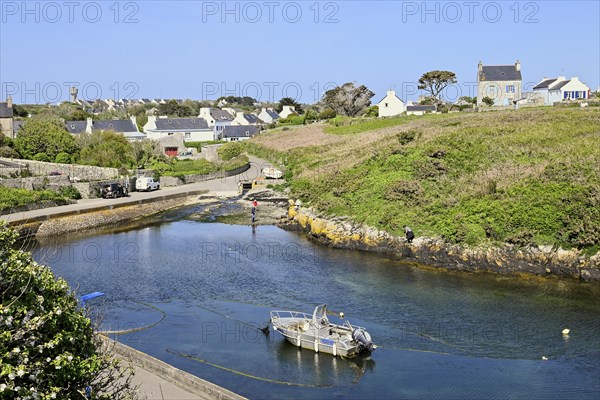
(222,186)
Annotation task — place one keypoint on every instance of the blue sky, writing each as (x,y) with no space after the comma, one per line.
(274,49)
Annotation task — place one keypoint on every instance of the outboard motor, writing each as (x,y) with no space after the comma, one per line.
(363,337)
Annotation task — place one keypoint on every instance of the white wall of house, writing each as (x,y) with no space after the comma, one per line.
(188,136)
(287,111)
(239,120)
(265,117)
(391,105)
(205,113)
(574,90)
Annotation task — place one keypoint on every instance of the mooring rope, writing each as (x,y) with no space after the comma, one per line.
(247,375)
(264,329)
(141,328)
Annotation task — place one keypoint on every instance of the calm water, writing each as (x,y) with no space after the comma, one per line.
(441,335)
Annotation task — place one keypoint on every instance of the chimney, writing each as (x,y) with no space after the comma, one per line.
(518,65)
(9,103)
(89,125)
(480,66)
(134,120)
(391,93)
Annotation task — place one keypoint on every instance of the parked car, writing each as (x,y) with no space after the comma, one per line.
(113,190)
(145,183)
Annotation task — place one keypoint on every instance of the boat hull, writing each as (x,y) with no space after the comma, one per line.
(317,344)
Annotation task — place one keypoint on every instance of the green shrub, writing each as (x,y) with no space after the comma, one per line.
(48,348)
(70,192)
(63,158)
(229,151)
(41,157)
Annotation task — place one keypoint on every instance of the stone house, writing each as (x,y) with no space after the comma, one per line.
(501,83)
(6,118)
(391,105)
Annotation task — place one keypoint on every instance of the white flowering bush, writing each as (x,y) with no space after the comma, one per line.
(48,349)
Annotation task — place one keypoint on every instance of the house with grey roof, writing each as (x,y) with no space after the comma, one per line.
(126,127)
(245,119)
(6,118)
(191,129)
(287,111)
(391,105)
(553,90)
(419,110)
(268,115)
(234,133)
(501,83)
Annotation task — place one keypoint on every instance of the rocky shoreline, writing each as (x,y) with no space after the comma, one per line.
(276,209)
(541,261)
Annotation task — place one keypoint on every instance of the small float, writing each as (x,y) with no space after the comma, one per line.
(315,332)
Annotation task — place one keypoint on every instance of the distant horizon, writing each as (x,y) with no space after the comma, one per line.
(204,50)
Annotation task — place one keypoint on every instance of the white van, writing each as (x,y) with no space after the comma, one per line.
(144,183)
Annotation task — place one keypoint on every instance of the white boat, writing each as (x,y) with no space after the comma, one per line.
(315,332)
(270,172)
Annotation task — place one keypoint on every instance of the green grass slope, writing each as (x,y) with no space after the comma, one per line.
(529,176)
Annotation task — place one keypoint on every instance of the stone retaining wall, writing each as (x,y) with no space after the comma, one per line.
(83,172)
(37,182)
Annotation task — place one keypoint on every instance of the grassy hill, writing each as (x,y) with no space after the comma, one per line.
(529,176)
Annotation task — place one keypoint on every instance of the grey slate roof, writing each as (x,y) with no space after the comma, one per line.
(117,125)
(420,108)
(181,124)
(76,127)
(272,114)
(220,115)
(499,73)
(5,111)
(560,85)
(251,118)
(238,131)
(544,84)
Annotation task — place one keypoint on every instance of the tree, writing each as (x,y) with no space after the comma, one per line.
(488,101)
(105,149)
(48,348)
(146,152)
(348,99)
(288,101)
(44,135)
(434,82)
(172,108)
(327,113)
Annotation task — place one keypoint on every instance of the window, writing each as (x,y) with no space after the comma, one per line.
(386,104)
(510,88)
(188,135)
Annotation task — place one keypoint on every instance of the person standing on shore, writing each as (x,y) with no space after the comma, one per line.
(409,234)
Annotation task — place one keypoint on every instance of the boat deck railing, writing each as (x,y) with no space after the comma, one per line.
(289,314)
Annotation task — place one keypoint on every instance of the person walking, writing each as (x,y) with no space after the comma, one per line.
(409,234)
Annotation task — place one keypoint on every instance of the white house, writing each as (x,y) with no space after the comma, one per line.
(234,133)
(558,89)
(245,119)
(127,127)
(391,105)
(287,111)
(192,129)
(268,115)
